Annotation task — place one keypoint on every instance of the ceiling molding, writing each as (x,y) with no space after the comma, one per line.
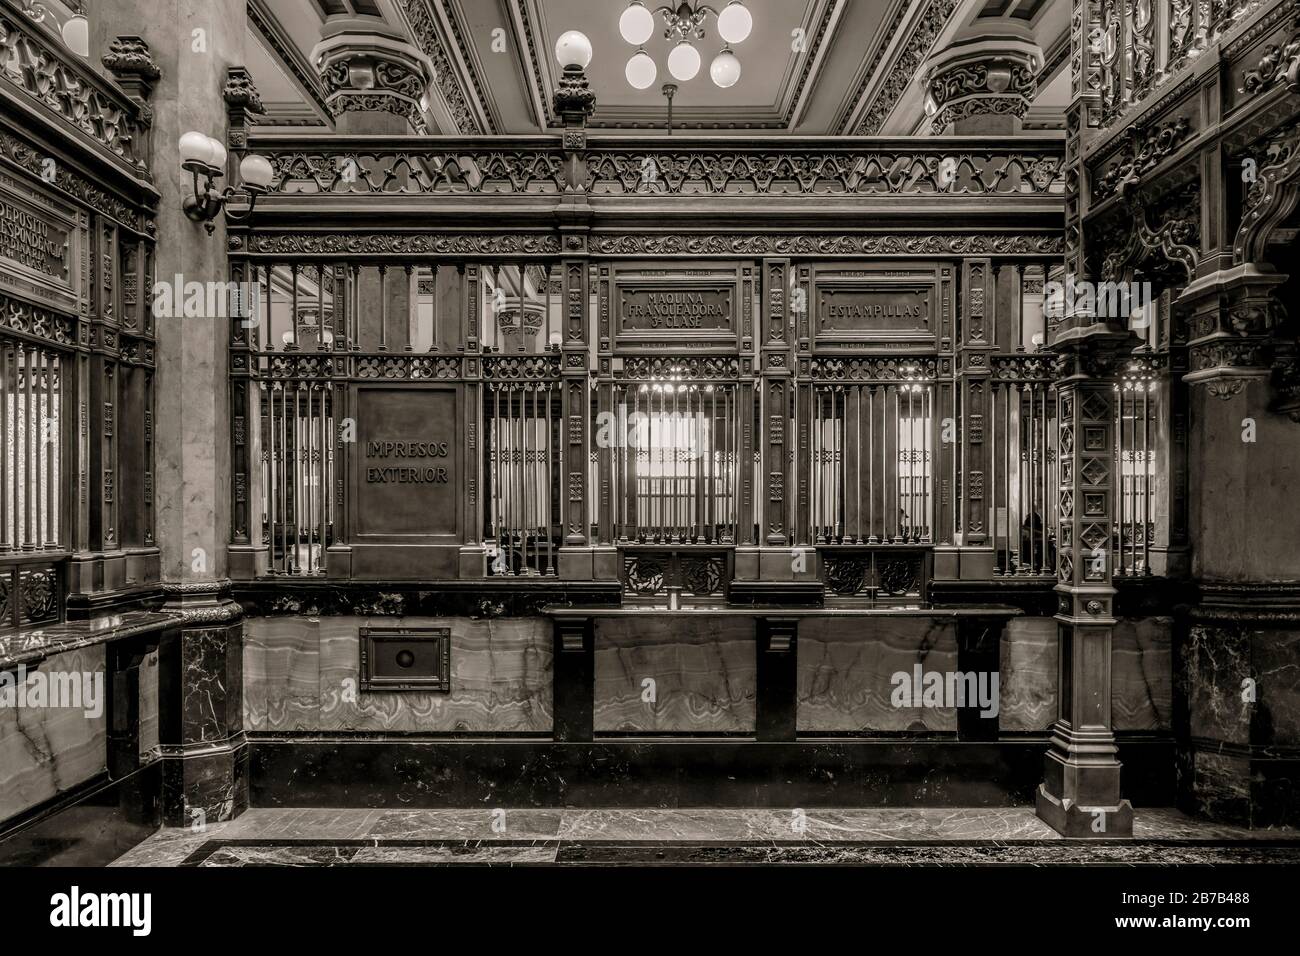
(540,83)
(457,109)
(881,90)
(783,114)
(271,34)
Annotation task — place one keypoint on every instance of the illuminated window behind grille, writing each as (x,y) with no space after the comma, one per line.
(872,464)
(675,463)
(31,467)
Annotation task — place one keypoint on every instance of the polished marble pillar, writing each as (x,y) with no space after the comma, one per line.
(203,750)
(1237,668)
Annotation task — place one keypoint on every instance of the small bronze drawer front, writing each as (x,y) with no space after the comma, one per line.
(406,658)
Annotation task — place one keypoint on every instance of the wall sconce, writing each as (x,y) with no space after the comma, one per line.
(203,156)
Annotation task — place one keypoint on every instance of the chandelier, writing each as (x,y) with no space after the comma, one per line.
(684,22)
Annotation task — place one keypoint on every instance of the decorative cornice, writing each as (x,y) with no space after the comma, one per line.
(830,244)
(428,37)
(73,184)
(906,64)
(378,243)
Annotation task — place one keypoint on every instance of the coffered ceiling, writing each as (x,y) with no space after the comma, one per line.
(809,67)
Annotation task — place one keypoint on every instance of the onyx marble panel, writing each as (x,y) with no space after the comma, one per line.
(45,751)
(303,674)
(704,672)
(1216,664)
(1141,674)
(1028,680)
(1276,658)
(846,666)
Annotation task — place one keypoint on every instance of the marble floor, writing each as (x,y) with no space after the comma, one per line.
(960,837)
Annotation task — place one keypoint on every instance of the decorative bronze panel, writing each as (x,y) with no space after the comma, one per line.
(406,658)
(408,473)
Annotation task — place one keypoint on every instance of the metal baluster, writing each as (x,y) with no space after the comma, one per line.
(1034,561)
(909,533)
(550,470)
(29,442)
(871,464)
(857,464)
(268,473)
(711,502)
(1146,477)
(38,442)
(1048,470)
(1119,472)
(6,429)
(926,436)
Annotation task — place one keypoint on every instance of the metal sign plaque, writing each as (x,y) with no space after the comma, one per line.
(406,658)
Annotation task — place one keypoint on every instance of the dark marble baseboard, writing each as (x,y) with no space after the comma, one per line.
(958,853)
(845,772)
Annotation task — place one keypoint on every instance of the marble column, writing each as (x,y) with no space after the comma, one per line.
(1237,668)
(204,753)
(1080,793)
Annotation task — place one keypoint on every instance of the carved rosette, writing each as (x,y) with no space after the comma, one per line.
(982,74)
(366,70)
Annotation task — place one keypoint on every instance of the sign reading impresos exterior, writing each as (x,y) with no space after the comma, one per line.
(406,475)
(668,309)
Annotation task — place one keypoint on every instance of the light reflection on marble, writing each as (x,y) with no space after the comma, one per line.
(1027,685)
(433,855)
(1216,663)
(478,824)
(1141,689)
(975,830)
(47,750)
(149,704)
(1276,655)
(30,644)
(302,674)
(846,666)
(704,673)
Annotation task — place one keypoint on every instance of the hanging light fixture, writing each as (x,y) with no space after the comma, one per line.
(684,61)
(684,22)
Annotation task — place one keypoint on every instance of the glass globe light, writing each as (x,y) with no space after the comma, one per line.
(725,69)
(218,155)
(641,70)
(76,34)
(196,148)
(684,61)
(735,23)
(255,171)
(636,24)
(573,49)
